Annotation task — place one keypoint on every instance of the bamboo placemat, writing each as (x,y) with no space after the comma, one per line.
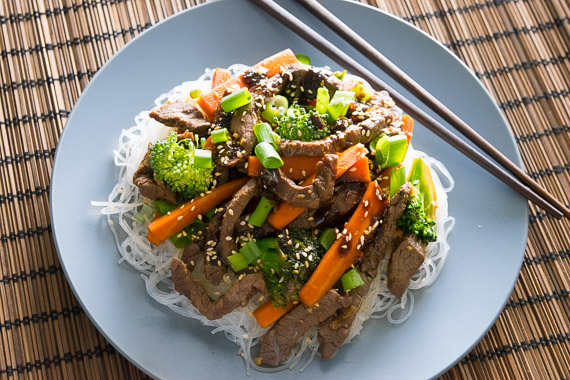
(49,50)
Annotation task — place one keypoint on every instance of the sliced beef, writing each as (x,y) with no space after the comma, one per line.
(281,338)
(183,115)
(254,75)
(317,148)
(316,77)
(237,295)
(386,235)
(404,263)
(334,331)
(346,196)
(233,212)
(214,268)
(149,187)
(190,254)
(309,196)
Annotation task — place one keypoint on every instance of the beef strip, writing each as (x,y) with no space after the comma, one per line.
(148,186)
(309,196)
(346,196)
(404,263)
(214,269)
(334,331)
(190,254)
(183,115)
(281,338)
(238,295)
(386,235)
(234,210)
(316,77)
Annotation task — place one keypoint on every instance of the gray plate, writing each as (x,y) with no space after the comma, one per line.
(449,318)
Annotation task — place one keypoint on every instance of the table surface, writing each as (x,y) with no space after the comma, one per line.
(49,51)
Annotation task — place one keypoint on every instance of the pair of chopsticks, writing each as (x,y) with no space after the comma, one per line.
(513,176)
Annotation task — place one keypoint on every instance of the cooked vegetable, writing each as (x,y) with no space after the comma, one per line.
(168,225)
(338,106)
(347,247)
(359,172)
(261,212)
(362,92)
(296,124)
(246,256)
(420,177)
(304,59)
(397,179)
(210,101)
(220,76)
(145,213)
(188,234)
(285,213)
(162,206)
(415,220)
(274,63)
(203,158)
(296,167)
(268,313)
(196,93)
(327,237)
(220,135)
(275,108)
(268,156)
(264,133)
(408,127)
(173,162)
(236,100)
(323,100)
(351,279)
(391,150)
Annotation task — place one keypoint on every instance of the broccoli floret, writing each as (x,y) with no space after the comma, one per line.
(415,220)
(172,163)
(297,124)
(301,255)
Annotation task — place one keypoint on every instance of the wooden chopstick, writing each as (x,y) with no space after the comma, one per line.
(425,97)
(311,36)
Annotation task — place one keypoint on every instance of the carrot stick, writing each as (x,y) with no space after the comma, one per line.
(345,250)
(274,63)
(408,127)
(359,172)
(268,313)
(175,221)
(295,167)
(220,76)
(285,213)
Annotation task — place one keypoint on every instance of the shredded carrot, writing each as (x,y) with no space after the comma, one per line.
(285,213)
(359,172)
(268,313)
(176,220)
(274,63)
(348,247)
(209,144)
(295,168)
(220,76)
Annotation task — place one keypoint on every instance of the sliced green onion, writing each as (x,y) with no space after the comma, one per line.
(146,213)
(203,158)
(268,243)
(398,148)
(238,261)
(382,150)
(220,135)
(275,108)
(327,238)
(397,179)
(351,279)
(236,100)
(323,99)
(196,93)
(304,59)
(268,156)
(260,213)
(339,104)
(340,74)
(264,133)
(373,143)
(202,142)
(250,251)
(276,137)
(163,206)
(362,92)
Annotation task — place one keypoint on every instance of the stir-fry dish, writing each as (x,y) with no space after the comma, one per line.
(288,193)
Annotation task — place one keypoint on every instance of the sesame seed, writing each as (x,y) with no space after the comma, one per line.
(366,203)
(299,133)
(366,214)
(228,238)
(358,246)
(300,196)
(344,246)
(193,208)
(200,217)
(310,218)
(181,207)
(303,172)
(180,217)
(352,170)
(231,212)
